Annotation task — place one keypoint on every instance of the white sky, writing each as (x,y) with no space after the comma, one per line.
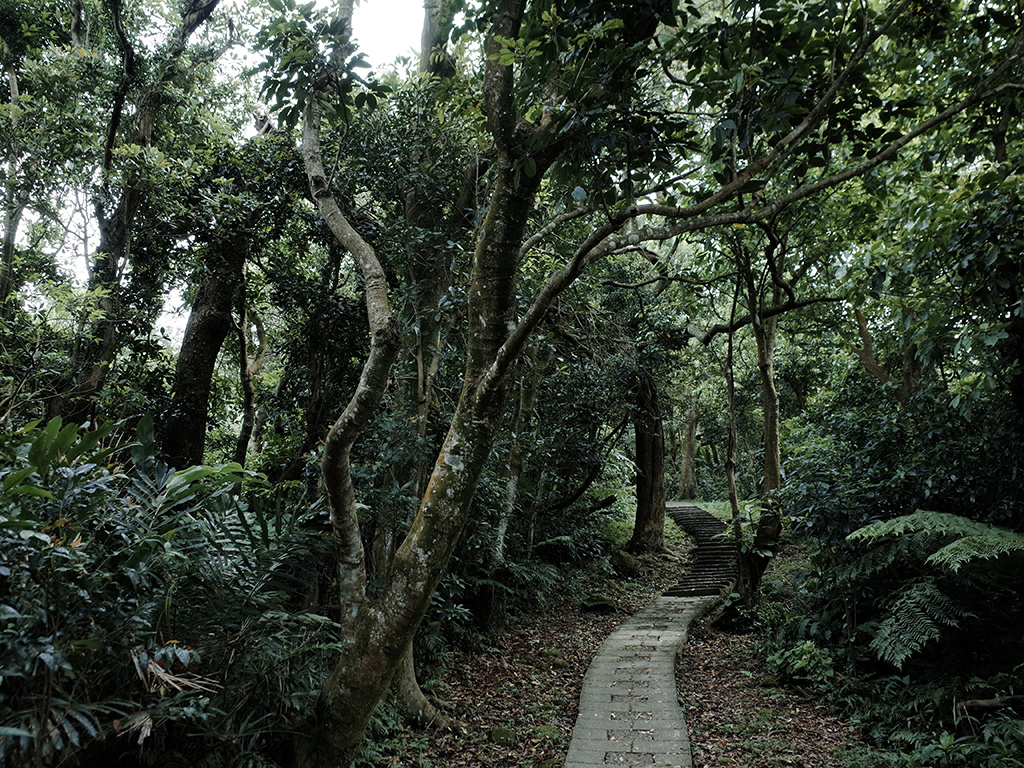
(385,29)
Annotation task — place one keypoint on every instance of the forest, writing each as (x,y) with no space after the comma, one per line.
(311,374)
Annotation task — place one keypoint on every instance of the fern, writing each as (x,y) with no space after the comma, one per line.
(972,540)
(917,617)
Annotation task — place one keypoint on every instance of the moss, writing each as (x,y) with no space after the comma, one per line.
(625,565)
(504,737)
(546,732)
(598,603)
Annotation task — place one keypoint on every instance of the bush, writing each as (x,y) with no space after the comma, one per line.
(145,610)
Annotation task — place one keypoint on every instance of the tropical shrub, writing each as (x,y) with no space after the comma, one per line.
(144,610)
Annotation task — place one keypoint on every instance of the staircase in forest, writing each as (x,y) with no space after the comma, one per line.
(629,707)
(715,567)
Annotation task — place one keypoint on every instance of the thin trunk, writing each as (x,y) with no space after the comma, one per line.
(15,198)
(743,580)
(764,334)
(769,526)
(249,369)
(369,653)
(529,388)
(649,528)
(431,276)
(755,555)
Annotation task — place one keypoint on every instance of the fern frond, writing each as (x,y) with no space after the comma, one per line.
(974,540)
(878,559)
(985,546)
(916,618)
(922,520)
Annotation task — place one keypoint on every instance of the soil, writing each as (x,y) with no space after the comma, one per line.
(739,715)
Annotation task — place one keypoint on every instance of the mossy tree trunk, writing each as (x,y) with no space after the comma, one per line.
(377,632)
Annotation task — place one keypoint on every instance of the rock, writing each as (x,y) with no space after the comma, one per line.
(624,564)
(504,737)
(598,603)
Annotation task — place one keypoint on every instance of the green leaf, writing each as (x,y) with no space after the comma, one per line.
(15,477)
(16,732)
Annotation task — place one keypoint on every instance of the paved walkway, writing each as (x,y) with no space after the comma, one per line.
(629,711)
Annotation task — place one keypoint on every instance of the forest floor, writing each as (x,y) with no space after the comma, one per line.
(514,700)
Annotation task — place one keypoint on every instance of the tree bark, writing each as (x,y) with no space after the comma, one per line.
(377,632)
(430,273)
(649,528)
(15,198)
(529,388)
(249,369)
(688,452)
(209,322)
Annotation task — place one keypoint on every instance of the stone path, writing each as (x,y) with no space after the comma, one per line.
(629,712)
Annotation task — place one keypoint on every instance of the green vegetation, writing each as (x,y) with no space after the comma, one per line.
(456,330)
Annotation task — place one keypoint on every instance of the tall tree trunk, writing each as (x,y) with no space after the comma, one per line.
(431,274)
(744,578)
(184,427)
(688,451)
(377,632)
(649,528)
(769,526)
(15,196)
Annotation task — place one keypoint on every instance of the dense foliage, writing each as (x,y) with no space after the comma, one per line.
(586,255)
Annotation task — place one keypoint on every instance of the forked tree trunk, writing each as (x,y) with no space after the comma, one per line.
(376,633)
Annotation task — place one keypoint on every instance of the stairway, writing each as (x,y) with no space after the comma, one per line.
(715,567)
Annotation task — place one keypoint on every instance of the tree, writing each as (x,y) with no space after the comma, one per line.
(527,144)
(124,191)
